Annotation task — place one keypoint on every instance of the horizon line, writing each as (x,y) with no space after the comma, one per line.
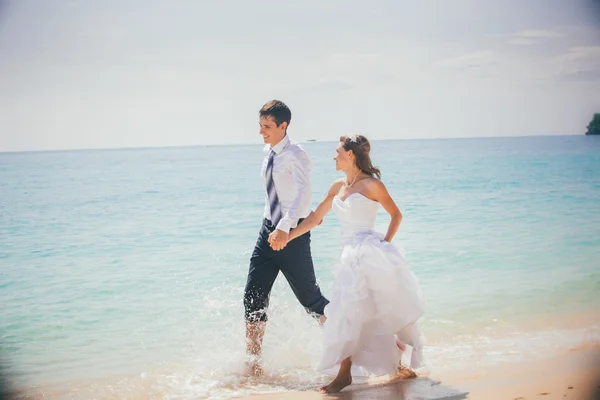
(262,144)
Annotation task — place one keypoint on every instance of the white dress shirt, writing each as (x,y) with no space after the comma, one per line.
(291,176)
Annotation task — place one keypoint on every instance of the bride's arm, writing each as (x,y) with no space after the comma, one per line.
(380,194)
(315,217)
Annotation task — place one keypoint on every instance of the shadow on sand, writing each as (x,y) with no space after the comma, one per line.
(406,389)
(422,388)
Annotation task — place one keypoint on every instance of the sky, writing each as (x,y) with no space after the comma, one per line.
(115,73)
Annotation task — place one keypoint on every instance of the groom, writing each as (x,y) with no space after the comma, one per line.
(286,177)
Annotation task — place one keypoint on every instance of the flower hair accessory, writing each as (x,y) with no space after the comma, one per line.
(353,138)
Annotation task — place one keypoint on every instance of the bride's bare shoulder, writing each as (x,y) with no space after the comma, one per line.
(373,186)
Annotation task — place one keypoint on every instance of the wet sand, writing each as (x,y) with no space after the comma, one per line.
(574,374)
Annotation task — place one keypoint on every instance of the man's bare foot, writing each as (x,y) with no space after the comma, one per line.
(337,384)
(253,369)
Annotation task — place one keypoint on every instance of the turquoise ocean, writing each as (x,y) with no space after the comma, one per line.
(122,271)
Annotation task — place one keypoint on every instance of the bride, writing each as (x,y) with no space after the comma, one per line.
(376,299)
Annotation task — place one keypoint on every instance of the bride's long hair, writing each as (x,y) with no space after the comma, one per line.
(361,148)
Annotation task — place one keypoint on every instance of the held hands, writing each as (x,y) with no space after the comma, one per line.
(278,239)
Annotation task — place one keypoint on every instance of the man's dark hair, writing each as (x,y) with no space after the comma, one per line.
(277,110)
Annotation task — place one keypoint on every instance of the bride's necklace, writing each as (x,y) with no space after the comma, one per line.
(353,180)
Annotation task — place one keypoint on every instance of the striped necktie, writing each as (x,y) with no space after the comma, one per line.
(274,205)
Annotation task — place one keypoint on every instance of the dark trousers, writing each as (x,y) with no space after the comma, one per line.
(294,261)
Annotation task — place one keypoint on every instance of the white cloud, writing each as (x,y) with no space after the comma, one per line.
(473,60)
(532,36)
(581,62)
(540,33)
(522,41)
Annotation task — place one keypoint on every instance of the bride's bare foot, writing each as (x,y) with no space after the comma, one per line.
(405,373)
(337,384)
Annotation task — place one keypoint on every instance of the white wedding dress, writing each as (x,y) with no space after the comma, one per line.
(376,298)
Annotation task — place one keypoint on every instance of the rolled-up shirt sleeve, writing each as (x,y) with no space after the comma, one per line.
(300,168)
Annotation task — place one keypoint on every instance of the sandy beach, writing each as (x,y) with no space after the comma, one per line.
(574,374)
